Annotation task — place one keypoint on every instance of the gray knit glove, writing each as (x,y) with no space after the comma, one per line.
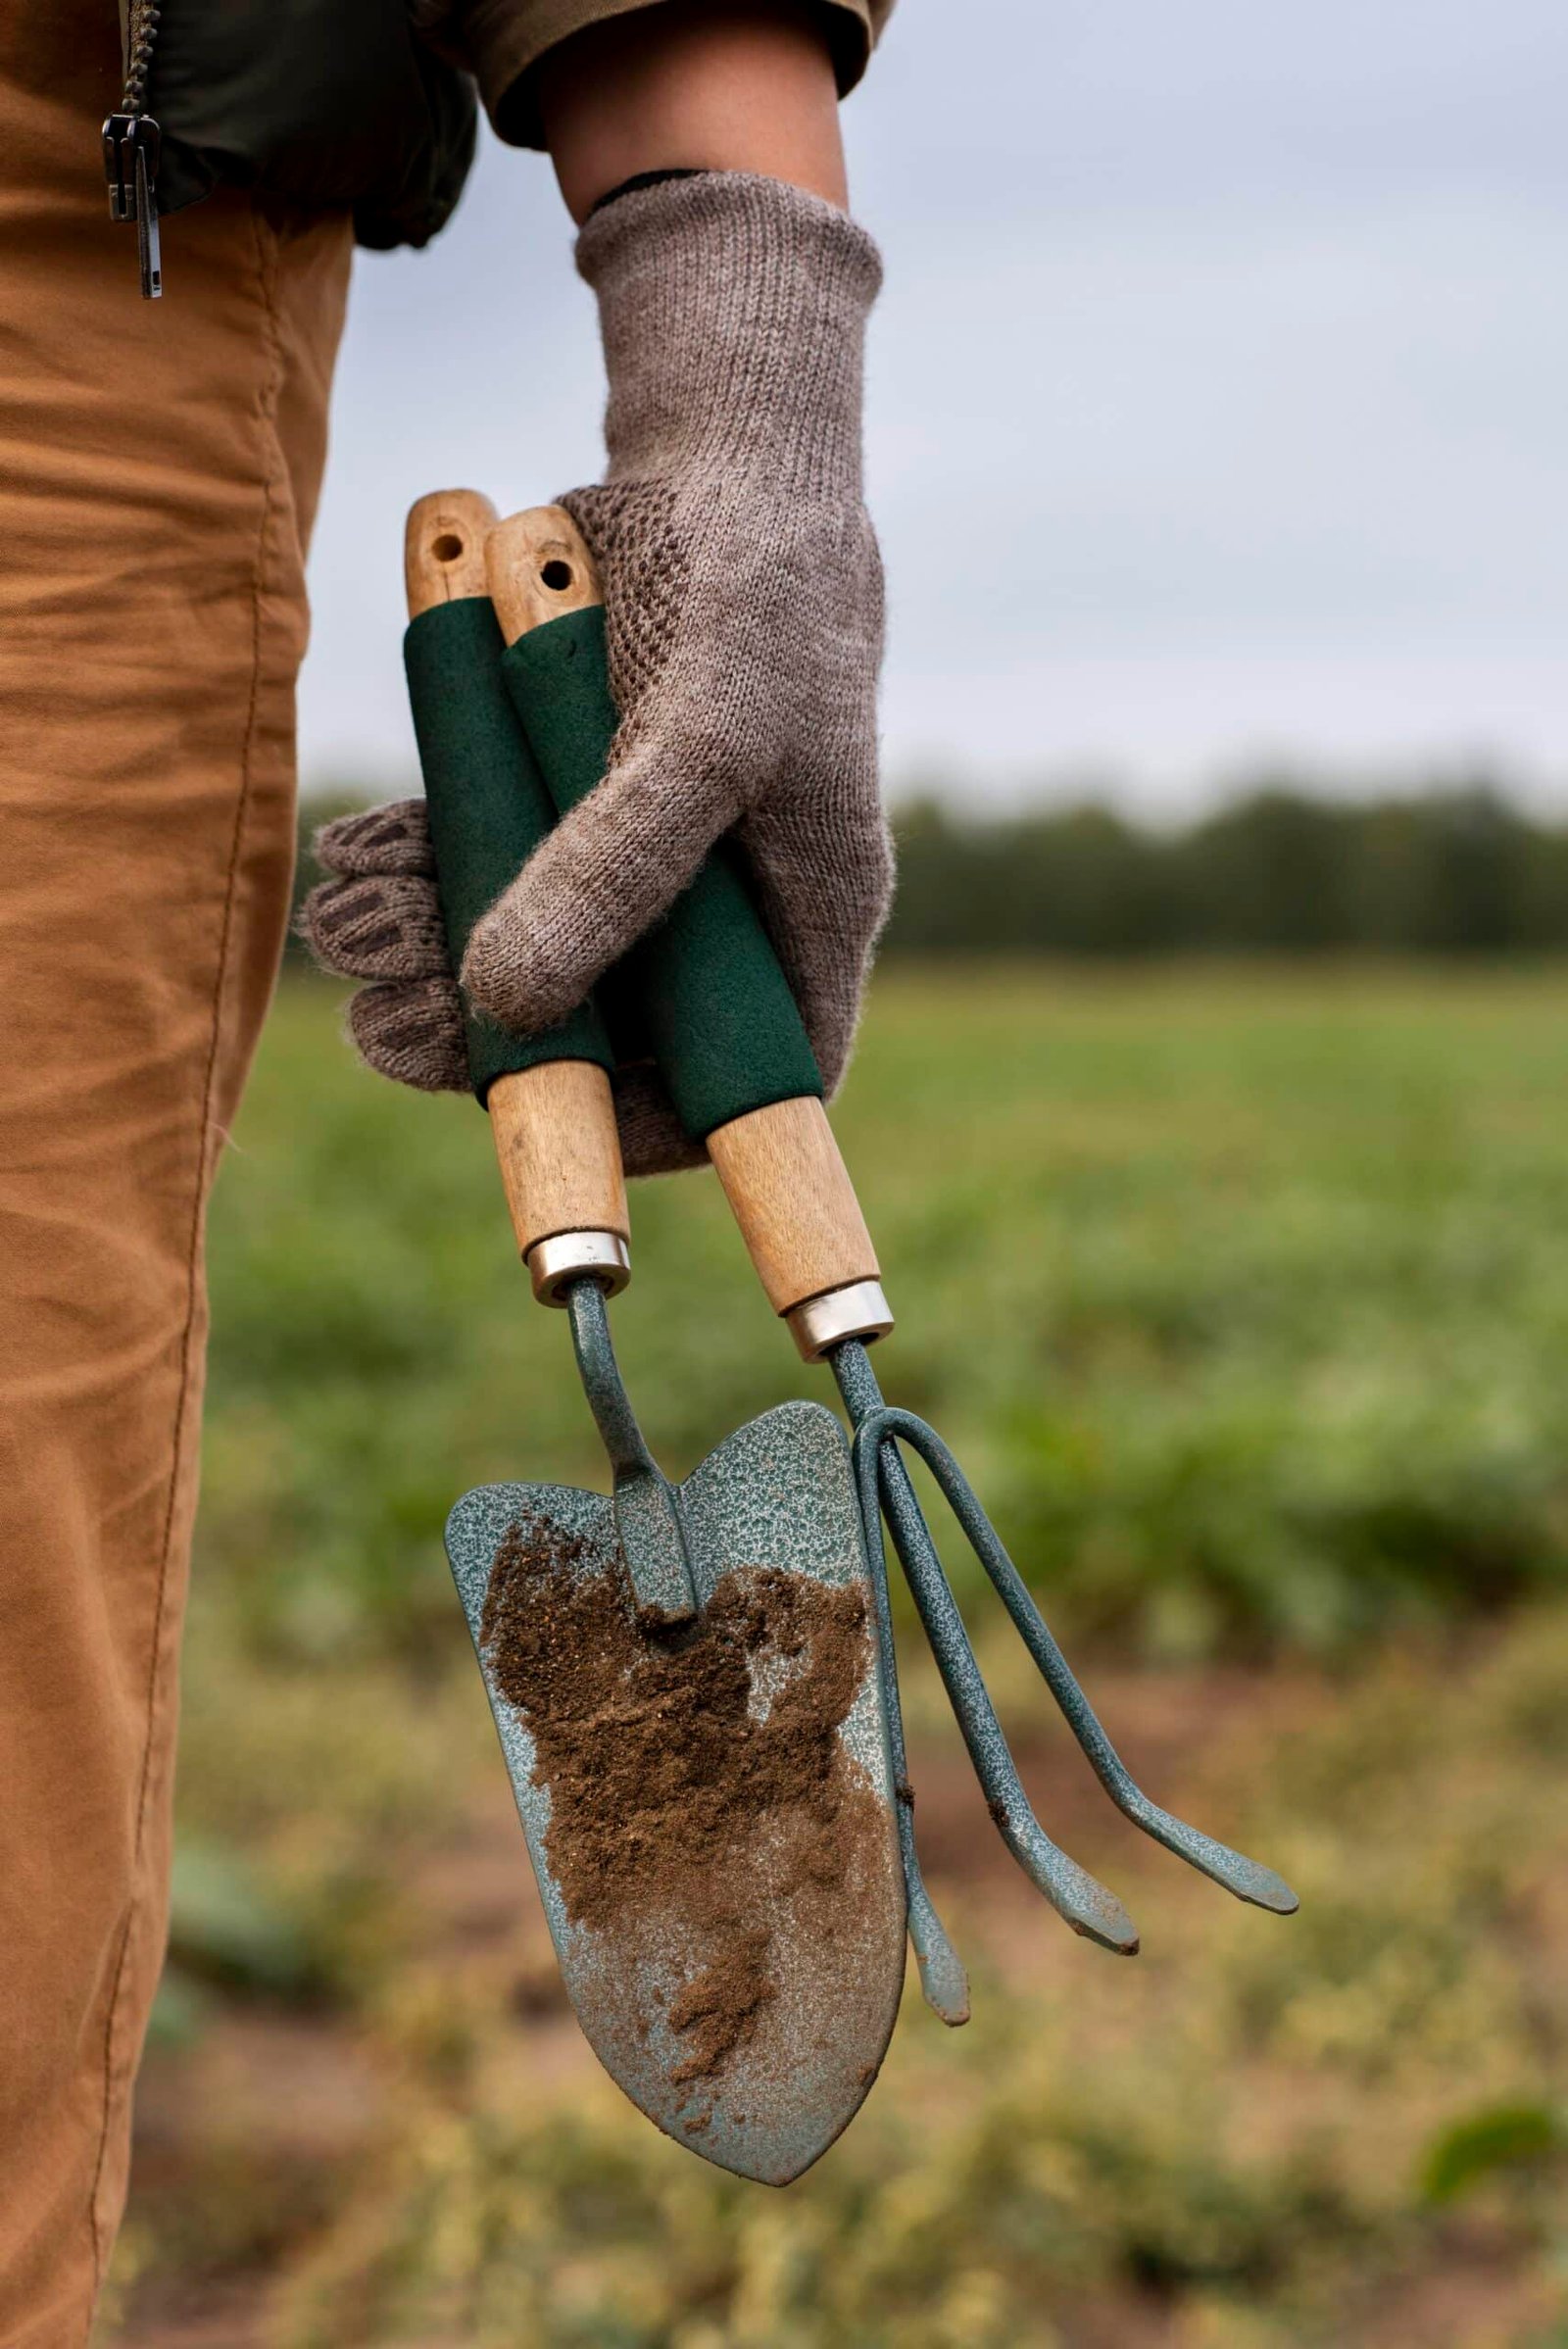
(378,918)
(743,599)
(744,607)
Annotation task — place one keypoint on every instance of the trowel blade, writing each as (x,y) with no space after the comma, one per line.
(710,1812)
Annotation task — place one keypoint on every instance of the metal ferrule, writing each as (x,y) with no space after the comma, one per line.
(821,1323)
(568,1257)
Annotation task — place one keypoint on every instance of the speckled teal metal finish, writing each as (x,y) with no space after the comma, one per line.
(884,1485)
(944,1983)
(779,1492)
(648,1512)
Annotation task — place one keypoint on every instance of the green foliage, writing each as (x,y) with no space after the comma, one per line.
(1502,2137)
(224,1926)
(1225,2137)
(1276,870)
(1243,1303)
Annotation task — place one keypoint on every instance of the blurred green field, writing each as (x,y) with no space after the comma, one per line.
(1243,1296)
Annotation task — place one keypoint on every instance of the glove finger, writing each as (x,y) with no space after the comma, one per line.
(652,1140)
(393,839)
(376,927)
(825,884)
(606,873)
(413,1031)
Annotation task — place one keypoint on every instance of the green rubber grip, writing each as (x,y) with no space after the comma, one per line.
(705,985)
(489,809)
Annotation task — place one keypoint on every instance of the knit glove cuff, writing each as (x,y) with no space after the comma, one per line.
(733,311)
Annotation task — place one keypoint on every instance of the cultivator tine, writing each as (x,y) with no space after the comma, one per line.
(1076,1896)
(944,1983)
(880,1433)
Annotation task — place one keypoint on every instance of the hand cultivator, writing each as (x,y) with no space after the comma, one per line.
(695,1685)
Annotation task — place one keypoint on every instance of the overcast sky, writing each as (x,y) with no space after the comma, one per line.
(1218,395)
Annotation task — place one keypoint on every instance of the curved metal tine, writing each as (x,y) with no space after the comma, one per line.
(1075,1895)
(944,1983)
(1248,1879)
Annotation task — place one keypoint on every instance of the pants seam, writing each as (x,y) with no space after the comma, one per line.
(267,259)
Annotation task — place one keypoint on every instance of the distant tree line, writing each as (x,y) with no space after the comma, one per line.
(1276,871)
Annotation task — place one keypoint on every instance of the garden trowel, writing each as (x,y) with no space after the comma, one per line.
(689,1681)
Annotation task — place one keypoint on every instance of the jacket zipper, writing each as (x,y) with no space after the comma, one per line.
(131,143)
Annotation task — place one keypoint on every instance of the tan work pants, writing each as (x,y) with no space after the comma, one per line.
(159,468)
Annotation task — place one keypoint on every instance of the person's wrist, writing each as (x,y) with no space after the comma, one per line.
(642,180)
(724,85)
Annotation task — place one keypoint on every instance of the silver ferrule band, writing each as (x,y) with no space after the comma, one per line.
(858,1310)
(568,1257)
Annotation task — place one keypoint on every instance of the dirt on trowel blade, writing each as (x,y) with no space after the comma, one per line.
(708,1825)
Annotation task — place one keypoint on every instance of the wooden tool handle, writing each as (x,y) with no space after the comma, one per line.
(559,1152)
(554,1122)
(443,548)
(790,1192)
(780,1166)
(537,568)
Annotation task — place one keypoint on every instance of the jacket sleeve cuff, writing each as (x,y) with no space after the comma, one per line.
(503,40)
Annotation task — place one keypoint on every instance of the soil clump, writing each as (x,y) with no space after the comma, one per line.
(698,1787)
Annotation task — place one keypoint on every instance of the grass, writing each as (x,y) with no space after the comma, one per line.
(1243,1296)
(1243,1299)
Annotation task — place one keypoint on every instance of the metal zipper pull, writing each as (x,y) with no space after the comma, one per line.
(131,144)
(149,249)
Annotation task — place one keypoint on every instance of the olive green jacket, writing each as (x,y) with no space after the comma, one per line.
(364,105)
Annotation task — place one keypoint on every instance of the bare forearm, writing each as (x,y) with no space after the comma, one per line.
(693,84)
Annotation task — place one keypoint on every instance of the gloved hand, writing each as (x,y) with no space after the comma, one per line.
(744,614)
(379,918)
(742,603)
